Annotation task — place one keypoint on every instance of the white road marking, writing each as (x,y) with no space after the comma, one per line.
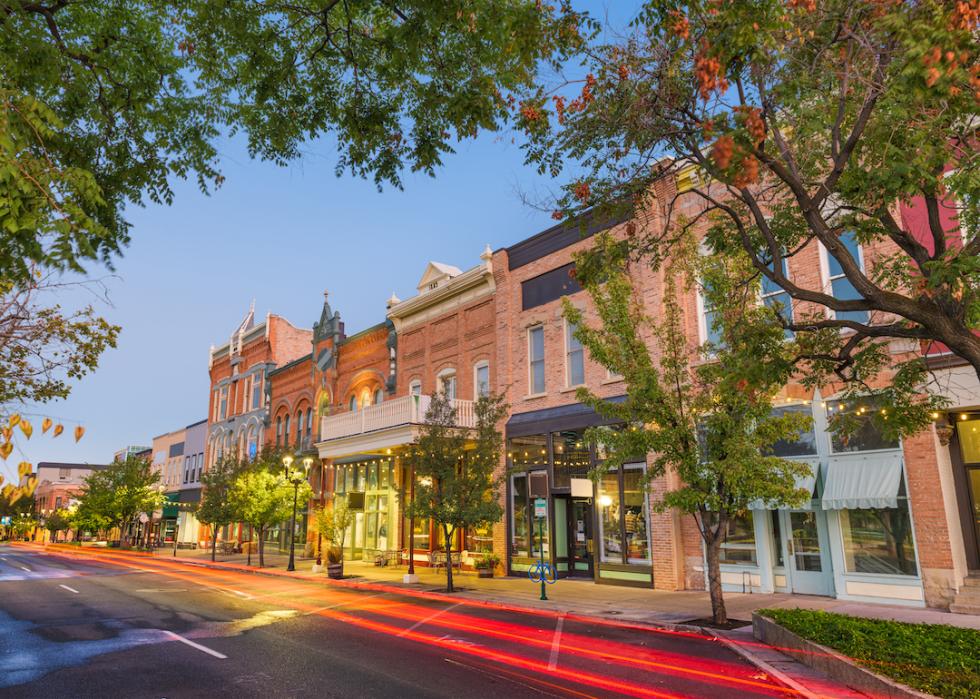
(26,568)
(198,646)
(428,618)
(555,644)
(70,589)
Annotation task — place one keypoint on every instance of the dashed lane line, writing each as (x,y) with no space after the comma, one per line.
(555,644)
(70,589)
(198,646)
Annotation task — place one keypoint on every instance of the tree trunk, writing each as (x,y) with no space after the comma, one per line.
(718,611)
(261,547)
(449,560)
(214,541)
(249,562)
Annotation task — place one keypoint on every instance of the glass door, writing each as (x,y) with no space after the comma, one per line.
(809,560)
(580,538)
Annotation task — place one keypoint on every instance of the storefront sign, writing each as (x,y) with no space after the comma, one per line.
(540,507)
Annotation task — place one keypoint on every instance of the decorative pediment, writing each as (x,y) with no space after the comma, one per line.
(436,274)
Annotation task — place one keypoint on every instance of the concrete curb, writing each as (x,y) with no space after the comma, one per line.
(772,671)
(831,662)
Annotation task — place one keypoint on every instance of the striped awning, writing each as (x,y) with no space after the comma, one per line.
(856,482)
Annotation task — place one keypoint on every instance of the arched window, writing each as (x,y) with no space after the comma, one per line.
(299,427)
(481,379)
(352,404)
(379,395)
(285,431)
(278,431)
(447,383)
(415,388)
(309,421)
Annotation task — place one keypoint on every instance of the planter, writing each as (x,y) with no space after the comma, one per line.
(335,570)
(484,572)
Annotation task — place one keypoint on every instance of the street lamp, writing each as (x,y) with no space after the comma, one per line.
(294,476)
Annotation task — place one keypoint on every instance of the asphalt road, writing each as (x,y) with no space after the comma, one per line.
(115,625)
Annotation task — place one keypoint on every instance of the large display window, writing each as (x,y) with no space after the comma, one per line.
(624,520)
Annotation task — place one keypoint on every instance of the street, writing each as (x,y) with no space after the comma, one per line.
(115,624)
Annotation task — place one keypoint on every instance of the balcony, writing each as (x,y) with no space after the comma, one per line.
(369,428)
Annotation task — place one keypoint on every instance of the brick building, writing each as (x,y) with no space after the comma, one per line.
(58,486)
(238,412)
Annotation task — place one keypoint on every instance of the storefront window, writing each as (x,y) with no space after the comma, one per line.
(865,437)
(479,540)
(528,452)
(806,442)
(635,517)
(421,533)
(968,432)
(339,475)
(518,509)
(572,458)
(878,540)
(739,545)
(610,536)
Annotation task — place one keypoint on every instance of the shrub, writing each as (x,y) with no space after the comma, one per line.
(933,658)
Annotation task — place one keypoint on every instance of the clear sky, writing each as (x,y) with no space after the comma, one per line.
(281,236)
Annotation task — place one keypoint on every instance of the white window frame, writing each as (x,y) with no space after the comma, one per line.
(568,353)
(482,364)
(828,280)
(531,361)
(223,403)
(415,387)
(352,403)
(445,375)
(379,396)
(256,394)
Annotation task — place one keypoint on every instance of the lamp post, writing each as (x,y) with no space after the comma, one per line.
(294,476)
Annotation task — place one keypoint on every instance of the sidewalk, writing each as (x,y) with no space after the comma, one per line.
(584,597)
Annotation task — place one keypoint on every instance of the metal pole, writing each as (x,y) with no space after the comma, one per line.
(411,528)
(544,595)
(292,531)
(176,532)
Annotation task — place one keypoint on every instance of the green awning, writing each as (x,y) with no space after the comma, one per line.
(170,508)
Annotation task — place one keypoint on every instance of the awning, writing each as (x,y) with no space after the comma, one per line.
(170,506)
(805,482)
(856,482)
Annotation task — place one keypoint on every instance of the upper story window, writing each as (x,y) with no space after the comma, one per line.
(285,430)
(379,395)
(574,357)
(64,474)
(481,379)
(549,286)
(535,347)
(223,411)
(256,391)
(866,436)
(447,383)
(352,404)
(278,431)
(805,443)
(214,406)
(415,388)
(710,328)
(776,298)
(309,421)
(299,426)
(840,286)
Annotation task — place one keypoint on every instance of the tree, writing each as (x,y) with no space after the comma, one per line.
(454,467)
(104,103)
(332,523)
(261,496)
(703,413)
(216,508)
(113,496)
(58,521)
(803,120)
(41,346)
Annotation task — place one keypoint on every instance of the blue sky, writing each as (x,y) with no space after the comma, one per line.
(280,236)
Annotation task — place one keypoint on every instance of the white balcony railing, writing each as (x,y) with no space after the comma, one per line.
(408,410)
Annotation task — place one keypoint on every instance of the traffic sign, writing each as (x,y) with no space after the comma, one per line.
(540,507)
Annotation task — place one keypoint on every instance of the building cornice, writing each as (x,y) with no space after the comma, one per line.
(401,313)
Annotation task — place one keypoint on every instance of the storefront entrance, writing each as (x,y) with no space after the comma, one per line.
(810,571)
(580,546)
